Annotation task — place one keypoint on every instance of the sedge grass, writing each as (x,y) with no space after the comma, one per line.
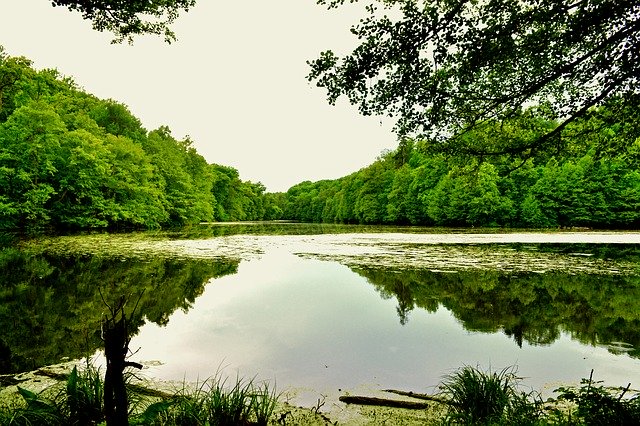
(492,397)
(216,402)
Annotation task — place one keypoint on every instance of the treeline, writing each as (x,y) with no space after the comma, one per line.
(71,160)
(589,176)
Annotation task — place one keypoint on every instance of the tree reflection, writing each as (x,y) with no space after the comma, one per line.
(529,307)
(51,306)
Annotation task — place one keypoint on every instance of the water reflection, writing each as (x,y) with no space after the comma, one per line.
(299,308)
(316,324)
(532,308)
(51,305)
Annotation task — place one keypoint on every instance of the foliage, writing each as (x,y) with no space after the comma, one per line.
(477,397)
(85,396)
(78,402)
(126,19)
(583,185)
(443,68)
(595,404)
(70,160)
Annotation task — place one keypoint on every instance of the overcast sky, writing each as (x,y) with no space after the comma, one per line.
(234,82)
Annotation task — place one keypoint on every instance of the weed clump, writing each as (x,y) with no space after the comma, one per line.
(595,404)
(477,397)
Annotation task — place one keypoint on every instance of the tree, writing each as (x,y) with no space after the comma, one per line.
(128,18)
(444,67)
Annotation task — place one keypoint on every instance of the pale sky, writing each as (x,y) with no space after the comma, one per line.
(234,82)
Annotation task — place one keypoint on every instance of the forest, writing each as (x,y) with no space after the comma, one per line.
(69,160)
(589,178)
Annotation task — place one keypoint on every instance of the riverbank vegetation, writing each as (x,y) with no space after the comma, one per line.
(593,181)
(69,160)
(468,396)
(79,400)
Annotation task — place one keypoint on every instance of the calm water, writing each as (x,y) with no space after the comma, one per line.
(319,308)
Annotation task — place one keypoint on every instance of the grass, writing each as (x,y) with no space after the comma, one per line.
(214,402)
(479,398)
(474,397)
(79,401)
(599,405)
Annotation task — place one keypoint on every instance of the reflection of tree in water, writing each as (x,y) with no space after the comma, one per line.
(51,307)
(530,307)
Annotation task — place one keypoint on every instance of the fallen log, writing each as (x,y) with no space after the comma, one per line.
(383,402)
(423,396)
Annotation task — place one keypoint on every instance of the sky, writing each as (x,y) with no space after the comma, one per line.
(234,82)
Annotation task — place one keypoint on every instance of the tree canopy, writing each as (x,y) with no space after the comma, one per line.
(71,160)
(444,67)
(127,18)
(591,182)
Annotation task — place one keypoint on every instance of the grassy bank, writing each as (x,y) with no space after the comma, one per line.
(469,396)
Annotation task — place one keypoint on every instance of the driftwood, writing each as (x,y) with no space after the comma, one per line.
(423,396)
(395,403)
(383,402)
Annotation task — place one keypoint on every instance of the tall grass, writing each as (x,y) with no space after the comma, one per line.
(263,403)
(477,397)
(215,402)
(84,396)
(78,402)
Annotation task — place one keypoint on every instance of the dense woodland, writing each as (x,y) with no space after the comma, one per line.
(591,178)
(71,160)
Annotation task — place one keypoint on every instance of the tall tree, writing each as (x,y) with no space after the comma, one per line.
(444,67)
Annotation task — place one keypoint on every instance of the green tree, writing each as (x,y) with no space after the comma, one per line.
(401,200)
(184,178)
(443,68)
(11,72)
(83,169)
(135,199)
(29,143)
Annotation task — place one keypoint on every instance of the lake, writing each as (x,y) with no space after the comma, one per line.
(322,309)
